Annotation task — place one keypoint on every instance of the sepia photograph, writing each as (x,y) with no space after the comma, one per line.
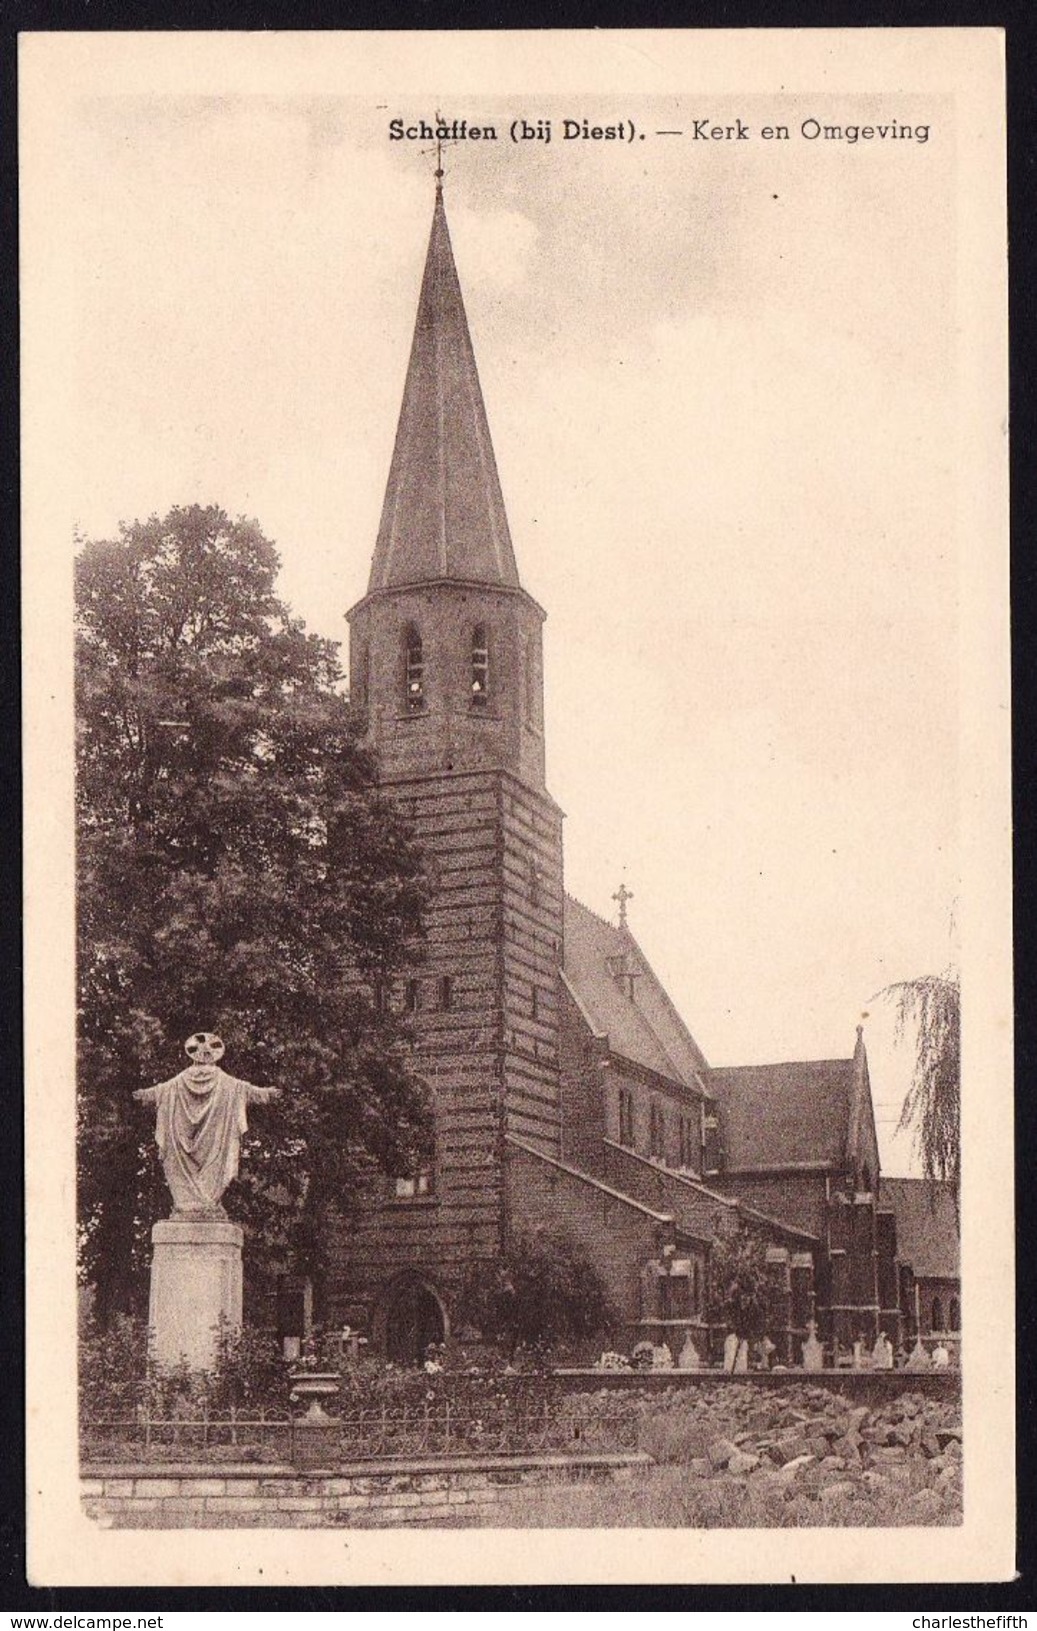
(517,652)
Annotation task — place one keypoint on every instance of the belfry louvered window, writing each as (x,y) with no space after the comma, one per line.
(480,666)
(413,670)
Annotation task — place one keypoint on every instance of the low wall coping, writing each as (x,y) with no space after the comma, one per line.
(356,1469)
(892,1381)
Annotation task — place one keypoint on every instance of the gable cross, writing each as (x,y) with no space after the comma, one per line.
(622,895)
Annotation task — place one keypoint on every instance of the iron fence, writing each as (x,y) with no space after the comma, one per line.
(378,1433)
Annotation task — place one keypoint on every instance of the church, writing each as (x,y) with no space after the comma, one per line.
(569,1094)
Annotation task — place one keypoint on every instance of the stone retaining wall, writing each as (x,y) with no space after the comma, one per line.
(863,1386)
(360,1495)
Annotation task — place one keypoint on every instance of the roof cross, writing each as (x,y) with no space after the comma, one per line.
(440,143)
(622,895)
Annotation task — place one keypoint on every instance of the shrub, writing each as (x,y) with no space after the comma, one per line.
(117,1379)
(739,1285)
(544,1290)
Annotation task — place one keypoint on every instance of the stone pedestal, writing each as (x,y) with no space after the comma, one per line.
(195,1287)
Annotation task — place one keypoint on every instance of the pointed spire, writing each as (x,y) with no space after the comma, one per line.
(443,515)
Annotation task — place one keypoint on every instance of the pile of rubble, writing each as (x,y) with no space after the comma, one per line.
(806,1442)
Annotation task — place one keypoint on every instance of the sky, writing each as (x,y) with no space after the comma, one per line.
(720,381)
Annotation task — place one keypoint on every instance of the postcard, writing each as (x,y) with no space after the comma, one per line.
(518,996)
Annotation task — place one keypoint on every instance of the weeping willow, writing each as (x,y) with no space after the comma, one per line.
(928,1012)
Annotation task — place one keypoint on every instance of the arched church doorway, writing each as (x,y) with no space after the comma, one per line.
(414,1318)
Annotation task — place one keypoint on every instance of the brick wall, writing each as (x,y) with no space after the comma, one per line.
(797,1198)
(693,1210)
(585,1086)
(618,1236)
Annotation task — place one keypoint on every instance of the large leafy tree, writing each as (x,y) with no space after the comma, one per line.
(928,1016)
(237,872)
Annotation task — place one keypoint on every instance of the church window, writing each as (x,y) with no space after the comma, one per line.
(414,671)
(446,991)
(414,1185)
(410,997)
(955,1315)
(687,1143)
(696,1286)
(534,882)
(480,667)
(626,1117)
(937,1324)
(710,1142)
(656,1132)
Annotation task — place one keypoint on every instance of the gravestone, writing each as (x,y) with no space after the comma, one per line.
(196,1286)
(730,1351)
(918,1358)
(813,1351)
(688,1358)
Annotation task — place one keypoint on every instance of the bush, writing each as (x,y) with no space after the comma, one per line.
(117,1379)
(543,1291)
(739,1285)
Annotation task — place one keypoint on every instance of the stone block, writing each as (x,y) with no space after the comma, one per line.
(926,1504)
(799,1463)
(299,1503)
(741,1462)
(195,1288)
(235,1503)
(118,1486)
(91,1486)
(156,1486)
(203,1486)
(720,1452)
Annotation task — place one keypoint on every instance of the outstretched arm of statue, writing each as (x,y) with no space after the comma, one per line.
(146,1095)
(261,1095)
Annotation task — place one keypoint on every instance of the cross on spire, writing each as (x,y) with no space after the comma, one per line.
(622,895)
(440,143)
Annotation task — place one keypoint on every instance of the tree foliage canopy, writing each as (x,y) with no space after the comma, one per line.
(739,1285)
(928,1010)
(544,1289)
(237,872)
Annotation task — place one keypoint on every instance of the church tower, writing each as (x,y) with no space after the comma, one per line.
(446,667)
